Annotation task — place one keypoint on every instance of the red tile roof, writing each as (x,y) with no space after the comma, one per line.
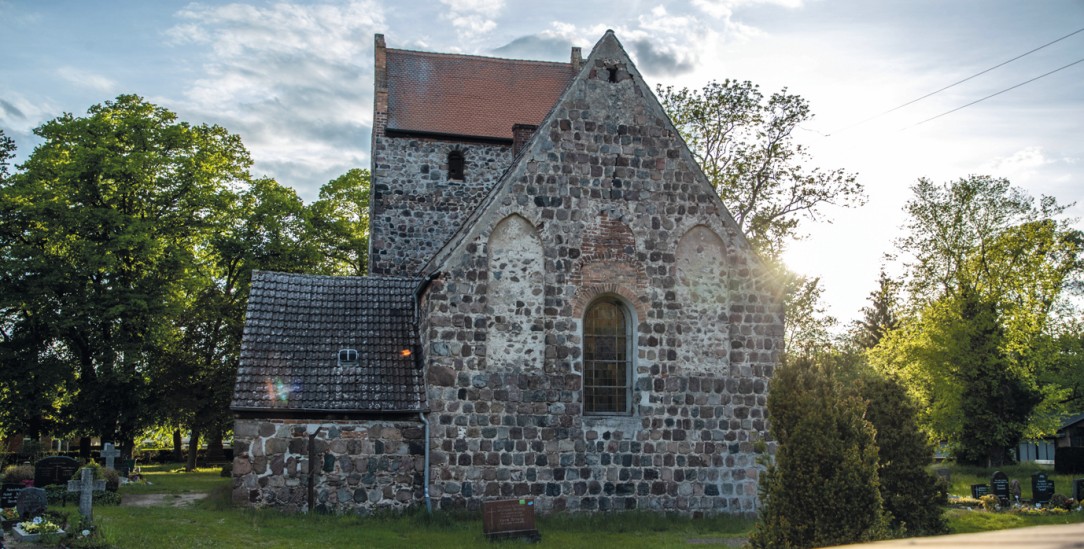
(469,95)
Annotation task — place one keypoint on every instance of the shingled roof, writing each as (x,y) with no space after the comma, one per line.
(467,95)
(297,324)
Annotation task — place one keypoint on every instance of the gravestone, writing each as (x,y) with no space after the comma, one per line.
(110,453)
(945,474)
(999,486)
(1078,489)
(509,519)
(1042,488)
(979,490)
(54,470)
(1014,490)
(31,503)
(86,486)
(9,494)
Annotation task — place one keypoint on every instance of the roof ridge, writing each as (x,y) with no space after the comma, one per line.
(482,57)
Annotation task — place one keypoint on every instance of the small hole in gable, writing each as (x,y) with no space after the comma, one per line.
(613,73)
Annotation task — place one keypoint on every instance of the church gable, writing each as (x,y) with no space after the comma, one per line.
(659,325)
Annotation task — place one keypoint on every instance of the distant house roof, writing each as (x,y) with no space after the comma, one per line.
(297,325)
(467,95)
(1071,422)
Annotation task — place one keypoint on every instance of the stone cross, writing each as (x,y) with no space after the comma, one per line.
(86,486)
(110,453)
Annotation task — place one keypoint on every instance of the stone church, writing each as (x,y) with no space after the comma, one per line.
(559,307)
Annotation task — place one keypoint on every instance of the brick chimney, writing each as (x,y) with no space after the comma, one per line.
(577,60)
(521,134)
(380,88)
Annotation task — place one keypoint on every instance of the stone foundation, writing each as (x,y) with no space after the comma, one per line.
(361,465)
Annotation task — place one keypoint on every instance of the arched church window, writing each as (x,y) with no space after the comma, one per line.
(607,357)
(456,165)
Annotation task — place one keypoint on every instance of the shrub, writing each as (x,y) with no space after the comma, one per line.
(912,496)
(823,488)
(1058,501)
(990,502)
(15,474)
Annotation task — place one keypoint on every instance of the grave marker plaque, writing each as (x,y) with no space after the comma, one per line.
(509,519)
(31,503)
(9,494)
(999,486)
(54,470)
(1042,488)
(979,490)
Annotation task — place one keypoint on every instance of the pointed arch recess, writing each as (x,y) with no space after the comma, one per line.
(703,290)
(514,296)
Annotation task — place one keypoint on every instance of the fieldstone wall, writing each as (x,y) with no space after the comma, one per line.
(361,466)
(621,210)
(414,207)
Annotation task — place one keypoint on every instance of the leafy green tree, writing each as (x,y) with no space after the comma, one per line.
(340,223)
(745,144)
(989,270)
(267,230)
(823,487)
(879,317)
(7,152)
(103,230)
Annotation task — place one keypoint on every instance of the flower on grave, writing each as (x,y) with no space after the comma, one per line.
(9,513)
(39,526)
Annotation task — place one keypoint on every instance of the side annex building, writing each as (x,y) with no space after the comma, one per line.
(559,306)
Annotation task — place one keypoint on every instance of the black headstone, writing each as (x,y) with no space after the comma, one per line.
(999,485)
(1042,488)
(31,503)
(1078,489)
(54,470)
(9,494)
(979,490)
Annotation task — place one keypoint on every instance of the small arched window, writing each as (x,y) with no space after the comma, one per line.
(456,165)
(607,357)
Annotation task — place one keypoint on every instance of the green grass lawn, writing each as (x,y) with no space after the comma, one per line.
(214,522)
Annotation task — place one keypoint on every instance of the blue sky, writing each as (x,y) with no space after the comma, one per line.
(294,79)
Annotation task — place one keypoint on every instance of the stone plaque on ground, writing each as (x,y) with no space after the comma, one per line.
(512,518)
(54,470)
(1042,488)
(999,486)
(9,494)
(31,503)
(979,490)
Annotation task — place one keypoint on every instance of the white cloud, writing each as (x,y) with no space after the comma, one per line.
(472,18)
(724,9)
(293,79)
(87,79)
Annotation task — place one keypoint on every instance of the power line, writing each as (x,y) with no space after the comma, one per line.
(995,94)
(1078,31)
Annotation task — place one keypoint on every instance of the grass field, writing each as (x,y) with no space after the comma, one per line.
(214,522)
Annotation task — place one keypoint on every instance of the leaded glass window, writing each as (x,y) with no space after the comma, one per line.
(606,358)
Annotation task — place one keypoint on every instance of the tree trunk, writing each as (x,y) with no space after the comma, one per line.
(215,451)
(178,446)
(84,448)
(193,450)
